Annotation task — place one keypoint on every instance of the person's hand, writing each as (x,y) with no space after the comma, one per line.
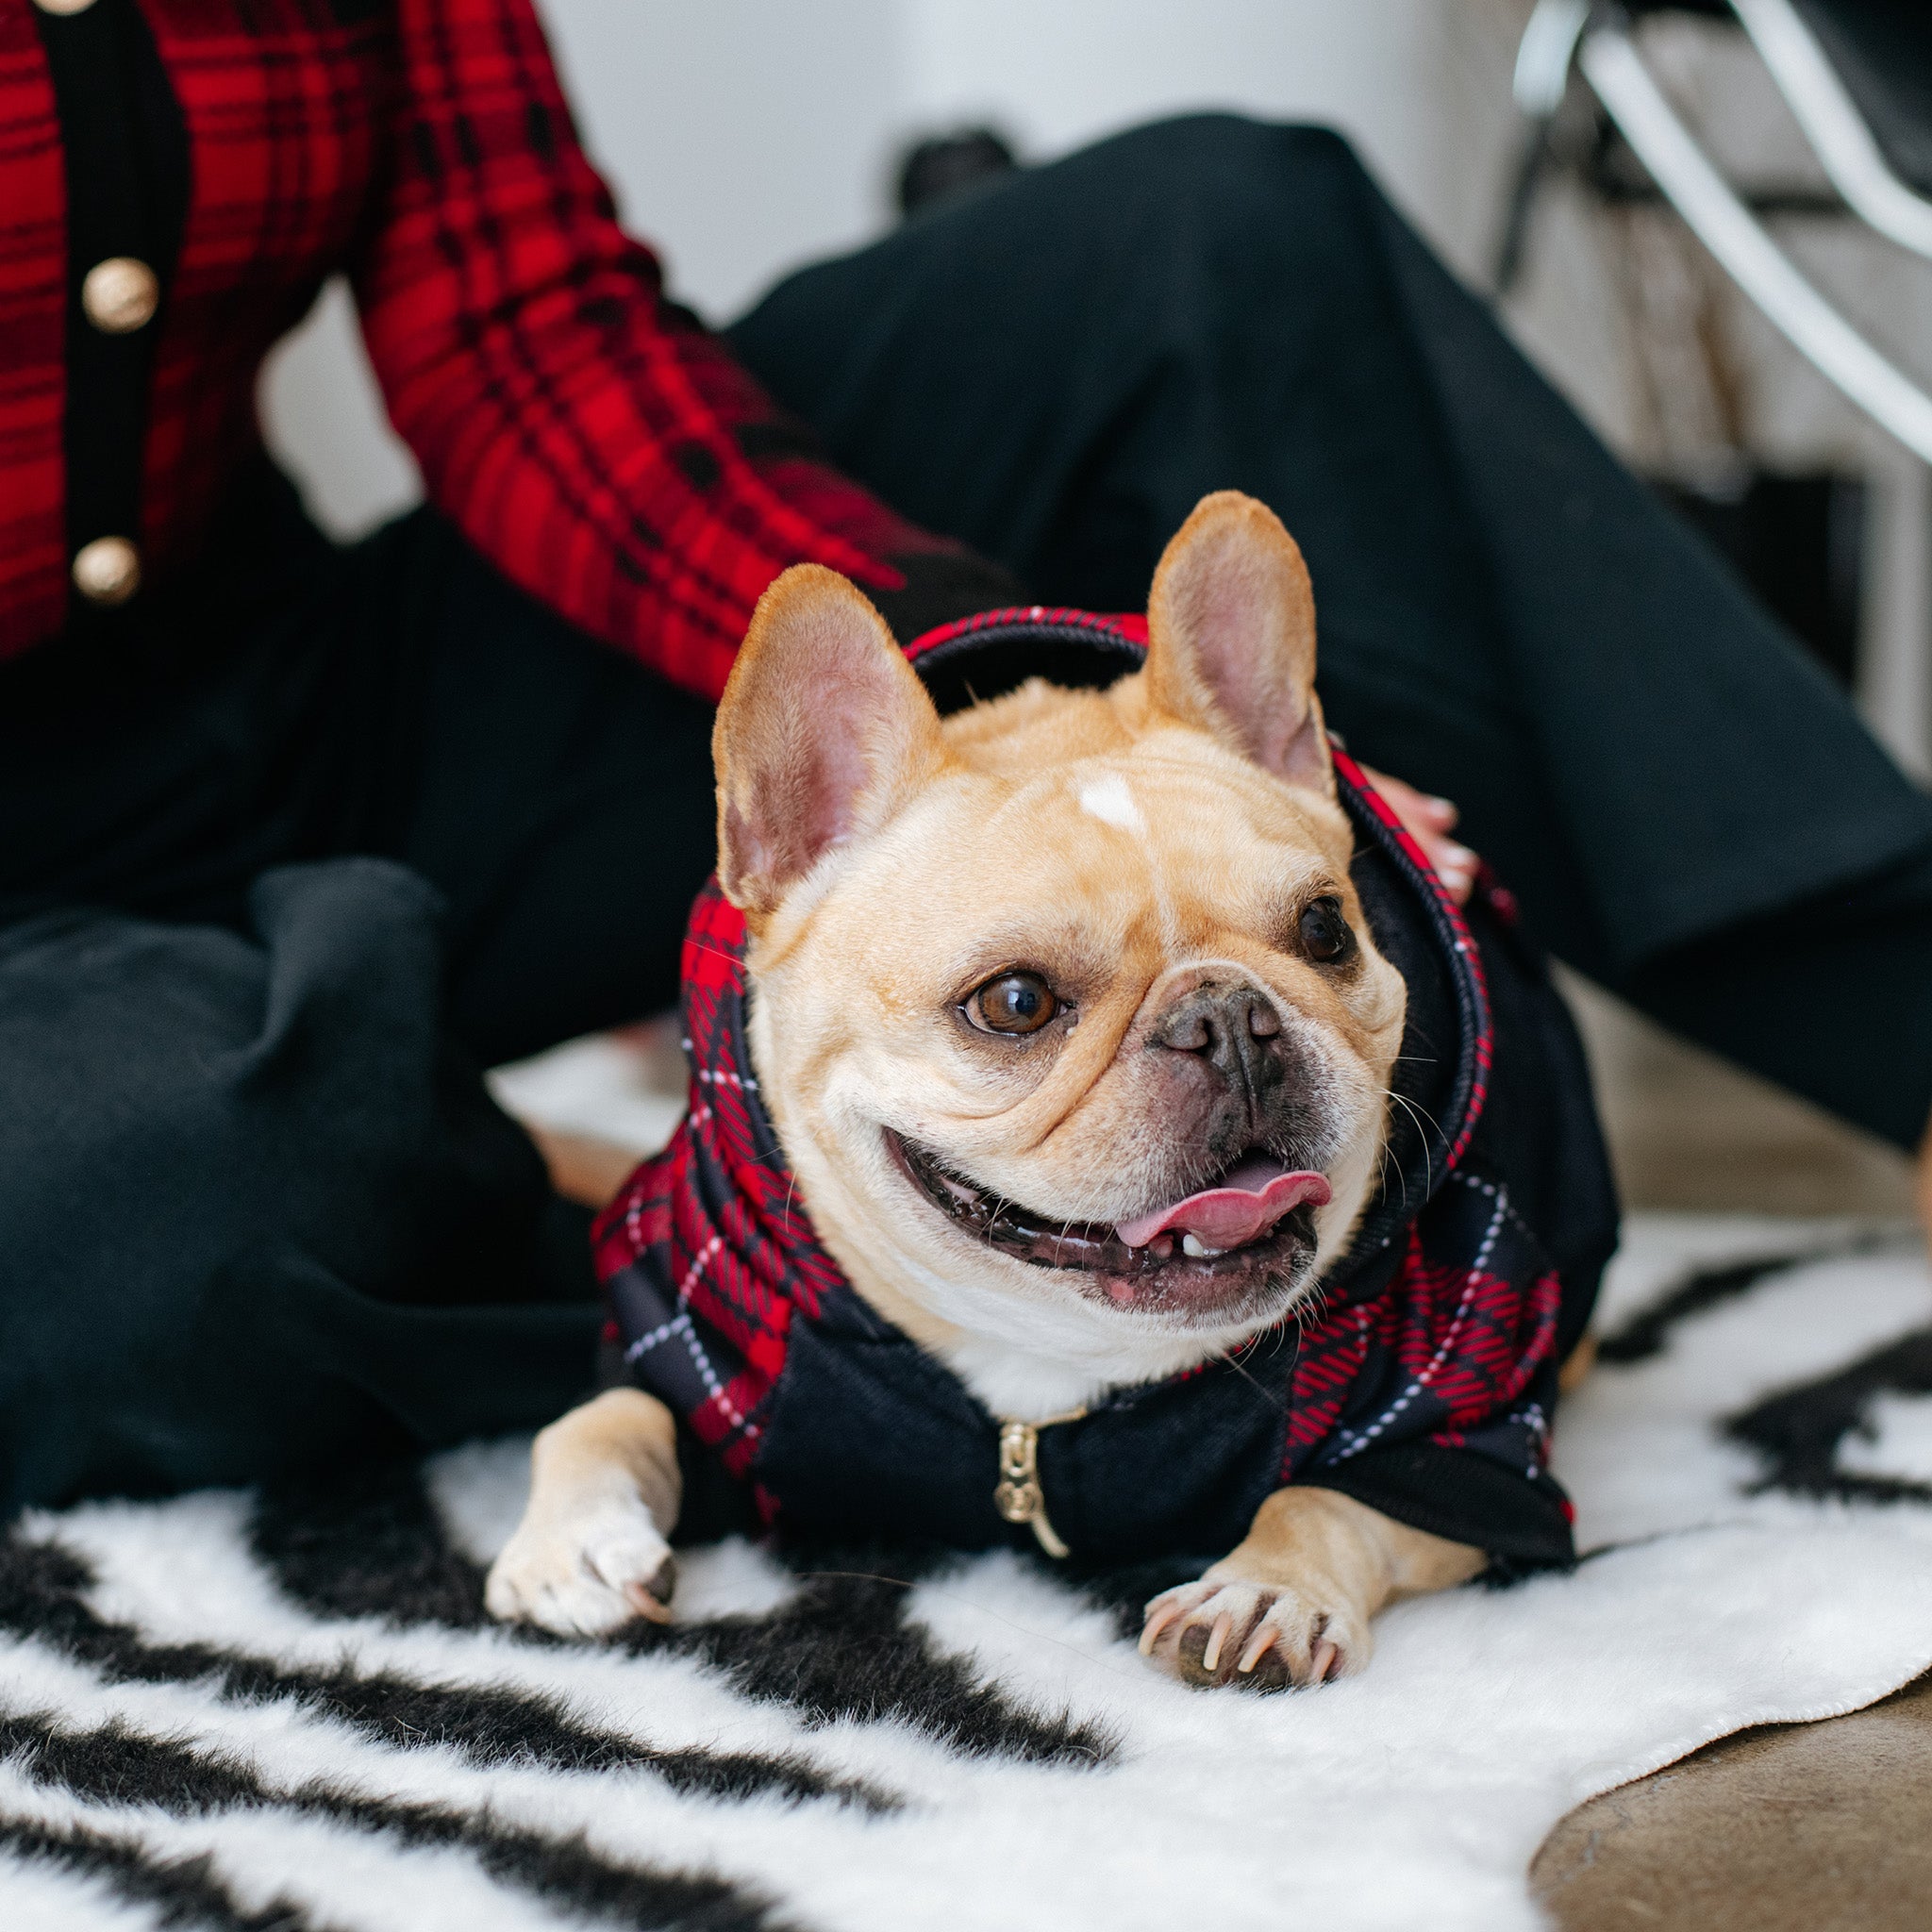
(1429,822)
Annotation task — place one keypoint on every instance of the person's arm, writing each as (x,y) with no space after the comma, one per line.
(589,437)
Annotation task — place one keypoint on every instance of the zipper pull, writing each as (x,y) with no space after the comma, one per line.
(1018,1497)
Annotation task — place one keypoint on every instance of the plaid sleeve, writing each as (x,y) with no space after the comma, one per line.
(588,436)
(1419,1399)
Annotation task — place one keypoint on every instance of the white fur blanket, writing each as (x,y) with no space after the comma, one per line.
(285,1712)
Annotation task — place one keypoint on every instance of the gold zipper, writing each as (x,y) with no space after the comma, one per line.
(1018,1496)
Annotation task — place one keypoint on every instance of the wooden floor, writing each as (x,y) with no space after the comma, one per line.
(1791,1828)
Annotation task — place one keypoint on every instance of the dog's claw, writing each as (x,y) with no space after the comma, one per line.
(1150,1631)
(652,1600)
(1263,1637)
(1210,1658)
(586,1573)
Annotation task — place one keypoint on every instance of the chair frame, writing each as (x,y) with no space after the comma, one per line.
(1596,41)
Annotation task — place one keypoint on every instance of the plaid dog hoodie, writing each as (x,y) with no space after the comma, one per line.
(1420,1377)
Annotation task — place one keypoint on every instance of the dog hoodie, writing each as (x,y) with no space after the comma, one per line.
(1419,1376)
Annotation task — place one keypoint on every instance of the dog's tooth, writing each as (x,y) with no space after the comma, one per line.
(1189,1245)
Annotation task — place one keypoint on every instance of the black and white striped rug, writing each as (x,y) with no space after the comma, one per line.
(287,1712)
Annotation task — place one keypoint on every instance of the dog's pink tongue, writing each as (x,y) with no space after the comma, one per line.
(1247,1201)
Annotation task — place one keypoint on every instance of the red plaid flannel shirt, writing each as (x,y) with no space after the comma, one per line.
(588,438)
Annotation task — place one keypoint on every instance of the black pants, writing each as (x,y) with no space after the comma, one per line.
(291,854)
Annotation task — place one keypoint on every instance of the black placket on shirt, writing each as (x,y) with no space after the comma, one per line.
(124,145)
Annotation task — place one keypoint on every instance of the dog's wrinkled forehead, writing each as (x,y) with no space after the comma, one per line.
(1105,861)
(826,733)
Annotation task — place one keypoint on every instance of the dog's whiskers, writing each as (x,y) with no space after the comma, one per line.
(1425,1120)
(1388,1160)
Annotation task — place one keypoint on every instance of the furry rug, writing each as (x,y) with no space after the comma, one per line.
(286,1711)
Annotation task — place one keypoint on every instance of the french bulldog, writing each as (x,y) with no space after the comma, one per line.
(1077,1042)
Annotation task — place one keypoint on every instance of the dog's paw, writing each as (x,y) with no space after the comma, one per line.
(1262,1636)
(584,1573)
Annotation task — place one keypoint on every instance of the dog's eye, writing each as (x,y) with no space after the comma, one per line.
(1013,1003)
(1324,932)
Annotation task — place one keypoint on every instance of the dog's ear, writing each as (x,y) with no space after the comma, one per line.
(1231,639)
(824,731)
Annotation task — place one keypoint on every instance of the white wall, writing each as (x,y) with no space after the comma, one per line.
(1421,86)
(739,136)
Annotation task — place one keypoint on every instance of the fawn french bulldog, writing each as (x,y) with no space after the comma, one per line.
(1044,1167)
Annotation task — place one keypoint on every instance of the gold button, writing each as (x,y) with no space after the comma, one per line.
(120,296)
(64,7)
(107,571)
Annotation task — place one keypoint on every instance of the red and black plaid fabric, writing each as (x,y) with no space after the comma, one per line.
(33,321)
(708,1259)
(713,1219)
(588,437)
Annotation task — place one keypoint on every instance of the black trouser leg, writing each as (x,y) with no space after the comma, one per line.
(257,1213)
(1056,370)
(556,793)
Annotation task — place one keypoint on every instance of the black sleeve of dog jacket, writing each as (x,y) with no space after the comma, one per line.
(1467,1497)
(1540,1129)
(1483,1481)
(941,587)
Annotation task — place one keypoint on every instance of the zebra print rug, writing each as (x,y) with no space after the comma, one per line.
(286,1712)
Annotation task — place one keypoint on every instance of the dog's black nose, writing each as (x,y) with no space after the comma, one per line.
(1234,1028)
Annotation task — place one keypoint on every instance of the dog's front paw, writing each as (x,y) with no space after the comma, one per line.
(1263,1635)
(584,1572)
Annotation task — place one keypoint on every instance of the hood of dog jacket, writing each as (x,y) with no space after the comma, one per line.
(1419,1377)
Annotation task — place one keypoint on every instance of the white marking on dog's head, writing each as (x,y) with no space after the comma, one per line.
(1110,800)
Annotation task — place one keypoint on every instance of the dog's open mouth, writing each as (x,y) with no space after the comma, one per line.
(1255,1220)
